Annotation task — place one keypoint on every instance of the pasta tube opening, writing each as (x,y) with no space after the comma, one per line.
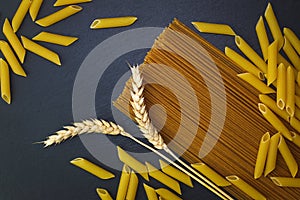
(274,179)
(232,178)
(75,7)
(101,191)
(95,23)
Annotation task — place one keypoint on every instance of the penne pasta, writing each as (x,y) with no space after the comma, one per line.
(296,138)
(92,168)
(41,51)
(69,2)
(175,173)
(297,113)
(290,91)
(163,178)
(291,36)
(272,154)
(262,155)
(123,183)
(272,62)
(11,58)
(297,90)
(295,123)
(55,38)
(59,15)
(298,79)
(150,192)
(245,187)
(251,54)
(256,83)
(297,101)
(20,14)
(262,37)
(35,8)
(13,40)
(103,194)
(132,186)
(211,174)
(287,156)
(244,63)
(281,87)
(5,81)
(291,53)
(113,22)
(204,27)
(286,181)
(167,194)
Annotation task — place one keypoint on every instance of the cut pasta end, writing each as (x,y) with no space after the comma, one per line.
(232,178)
(281,104)
(237,40)
(75,7)
(276,181)
(76,160)
(262,108)
(101,191)
(95,23)
(6,98)
(261,76)
(290,111)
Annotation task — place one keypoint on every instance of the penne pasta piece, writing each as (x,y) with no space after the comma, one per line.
(167,194)
(297,101)
(35,8)
(287,156)
(133,163)
(295,124)
(113,22)
(5,81)
(55,38)
(291,53)
(274,121)
(41,51)
(132,186)
(175,173)
(273,25)
(296,138)
(272,154)
(272,62)
(59,15)
(297,90)
(20,14)
(244,63)
(123,183)
(103,194)
(262,37)
(286,181)
(291,36)
(150,192)
(297,113)
(211,174)
(205,27)
(13,40)
(245,187)
(262,155)
(290,91)
(255,82)
(69,2)
(251,54)
(298,79)
(11,58)
(92,168)
(163,178)
(281,87)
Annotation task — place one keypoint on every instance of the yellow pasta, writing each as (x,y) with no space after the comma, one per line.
(40,50)
(255,82)
(286,181)
(103,194)
(274,121)
(59,15)
(132,186)
(262,37)
(11,58)
(163,178)
(262,155)
(35,8)
(272,154)
(13,40)
(298,79)
(133,163)
(288,156)
(211,174)
(167,195)
(113,22)
(244,63)
(175,173)
(297,113)
(92,168)
(251,54)
(291,53)
(296,138)
(291,36)
(150,192)
(297,89)
(297,101)
(272,62)
(281,59)
(281,87)
(245,187)
(295,124)
(5,81)
(273,25)
(290,91)
(69,2)
(55,38)
(205,27)
(123,183)
(20,14)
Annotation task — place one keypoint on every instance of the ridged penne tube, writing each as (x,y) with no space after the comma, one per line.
(297,101)
(13,40)
(290,91)
(298,78)
(167,194)
(113,22)
(150,192)
(274,121)
(5,81)
(20,14)
(133,163)
(11,58)
(41,51)
(262,37)
(205,27)
(295,123)
(103,194)
(272,62)
(69,2)
(296,138)
(255,82)
(92,168)
(288,156)
(175,173)
(211,174)
(281,87)
(244,63)
(123,183)
(272,154)
(55,38)
(286,181)
(291,53)
(273,25)
(245,187)
(132,186)
(251,54)
(59,15)
(163,178)
(291,36)
(297,90)
(262,155)
(35,8)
